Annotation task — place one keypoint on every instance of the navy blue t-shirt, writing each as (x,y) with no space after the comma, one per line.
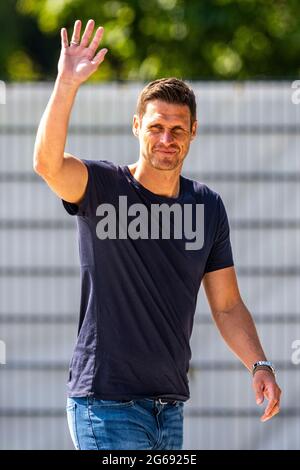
(139,293)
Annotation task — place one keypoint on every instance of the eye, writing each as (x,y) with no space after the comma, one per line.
(178,132)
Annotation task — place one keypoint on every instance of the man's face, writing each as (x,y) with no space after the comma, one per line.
(165,133)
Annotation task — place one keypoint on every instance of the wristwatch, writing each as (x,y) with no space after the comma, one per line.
(263,365)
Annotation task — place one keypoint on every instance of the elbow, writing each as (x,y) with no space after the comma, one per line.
(228,309)
(39,163)
(38,167)
(42,168)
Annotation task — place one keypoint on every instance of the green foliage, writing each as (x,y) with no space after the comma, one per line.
(193,39)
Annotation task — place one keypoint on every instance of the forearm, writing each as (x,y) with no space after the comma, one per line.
(239,332)
(52,131)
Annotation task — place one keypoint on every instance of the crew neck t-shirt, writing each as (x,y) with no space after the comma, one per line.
(139,287)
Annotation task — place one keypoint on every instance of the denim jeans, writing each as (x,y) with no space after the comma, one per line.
(139,424)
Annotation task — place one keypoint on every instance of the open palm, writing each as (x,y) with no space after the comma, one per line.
(79,59)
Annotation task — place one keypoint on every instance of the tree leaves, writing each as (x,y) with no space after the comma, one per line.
(220,39)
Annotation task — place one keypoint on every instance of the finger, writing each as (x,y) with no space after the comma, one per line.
(274,412)
(259,397)
(99,57)
(87,33)
(271,406)
(64,38)
(96,41)
(259,394)
(76,32)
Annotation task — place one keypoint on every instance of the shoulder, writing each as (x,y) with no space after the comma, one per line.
(100,165)
(102,172)
(203,193)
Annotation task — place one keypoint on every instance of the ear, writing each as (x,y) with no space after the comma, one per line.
(136,125)
(194,130)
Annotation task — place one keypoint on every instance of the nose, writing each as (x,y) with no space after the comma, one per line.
(166,137)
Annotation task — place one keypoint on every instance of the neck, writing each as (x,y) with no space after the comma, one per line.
(161,182)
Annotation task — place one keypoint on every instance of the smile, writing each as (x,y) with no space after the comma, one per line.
(167,151)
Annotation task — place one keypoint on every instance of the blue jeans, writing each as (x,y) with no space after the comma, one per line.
(139,424)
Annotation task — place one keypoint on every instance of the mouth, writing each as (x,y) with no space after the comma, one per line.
(167,152)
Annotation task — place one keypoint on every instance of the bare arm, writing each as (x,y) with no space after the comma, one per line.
(232,317)
(65,174)
(237,327)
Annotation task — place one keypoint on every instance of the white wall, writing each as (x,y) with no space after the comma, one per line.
(247,150)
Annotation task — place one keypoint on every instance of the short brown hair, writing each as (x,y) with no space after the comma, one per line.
(170,90)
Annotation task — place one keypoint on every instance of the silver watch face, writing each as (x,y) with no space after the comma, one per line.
(264,363)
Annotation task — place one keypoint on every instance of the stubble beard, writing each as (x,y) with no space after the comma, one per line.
(163,162)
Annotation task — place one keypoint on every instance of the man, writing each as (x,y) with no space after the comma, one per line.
(128,374)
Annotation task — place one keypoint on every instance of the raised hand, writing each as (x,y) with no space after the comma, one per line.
(78,61)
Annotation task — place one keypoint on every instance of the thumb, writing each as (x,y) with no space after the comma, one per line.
(99,57)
